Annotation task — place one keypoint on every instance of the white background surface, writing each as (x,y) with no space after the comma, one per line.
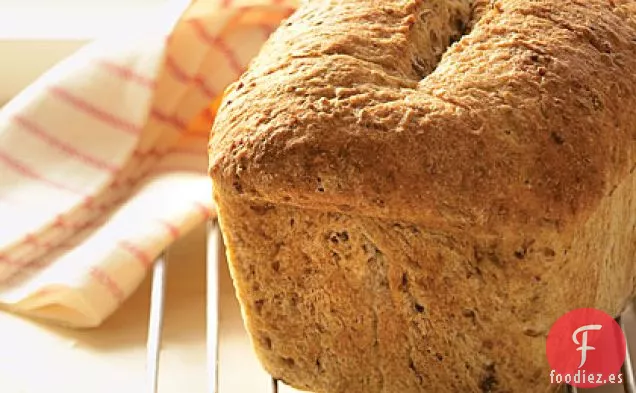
(36,34)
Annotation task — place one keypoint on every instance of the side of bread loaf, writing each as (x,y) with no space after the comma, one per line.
(403,217)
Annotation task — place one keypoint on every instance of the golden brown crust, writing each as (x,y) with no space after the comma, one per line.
(397,222)
(528,119)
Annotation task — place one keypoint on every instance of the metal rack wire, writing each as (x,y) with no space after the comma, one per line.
(214,255)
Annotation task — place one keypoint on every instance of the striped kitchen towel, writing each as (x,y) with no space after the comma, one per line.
(103,159)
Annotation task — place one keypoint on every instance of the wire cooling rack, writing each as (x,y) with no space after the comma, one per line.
(157,304)
(214,256)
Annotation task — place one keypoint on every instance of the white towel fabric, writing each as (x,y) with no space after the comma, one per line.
(103,160)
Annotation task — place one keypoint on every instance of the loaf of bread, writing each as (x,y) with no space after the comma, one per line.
(411,192)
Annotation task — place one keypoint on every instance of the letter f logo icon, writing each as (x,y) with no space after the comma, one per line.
(583,343)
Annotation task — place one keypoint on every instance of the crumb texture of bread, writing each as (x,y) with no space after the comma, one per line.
(411,192)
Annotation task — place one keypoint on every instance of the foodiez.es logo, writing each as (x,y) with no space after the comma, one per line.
(586,348)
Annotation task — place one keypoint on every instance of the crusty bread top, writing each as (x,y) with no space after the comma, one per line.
(530,118)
